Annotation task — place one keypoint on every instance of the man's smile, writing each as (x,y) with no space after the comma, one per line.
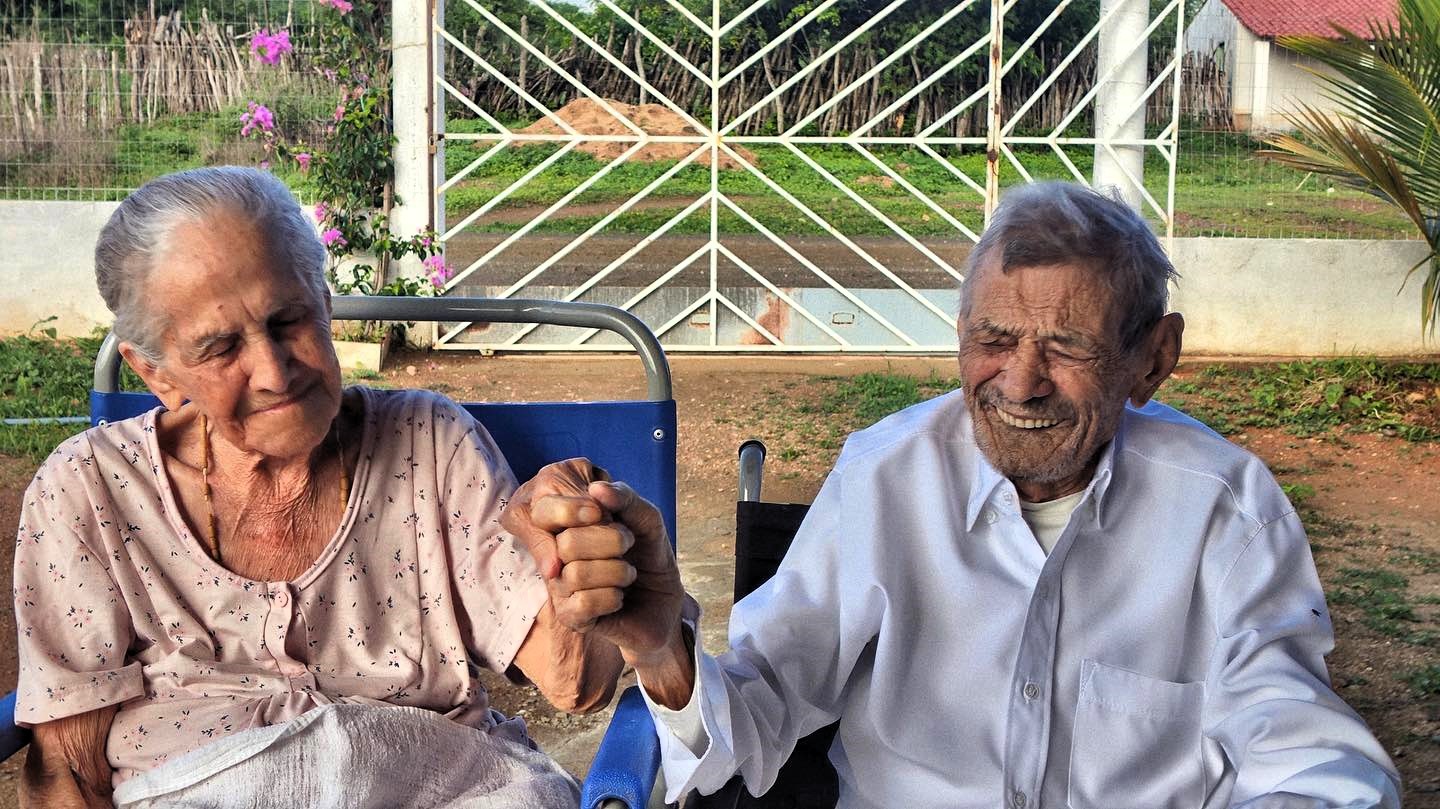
(1025,423)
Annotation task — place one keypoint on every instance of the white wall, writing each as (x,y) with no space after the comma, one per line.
(50,265)
(1213,28)
(1292,83)
(1299,297)
(1266,80)
(1295,297)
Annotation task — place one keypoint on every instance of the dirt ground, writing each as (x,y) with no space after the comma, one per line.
(1374,504)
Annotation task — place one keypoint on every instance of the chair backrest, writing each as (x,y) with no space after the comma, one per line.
(633,440)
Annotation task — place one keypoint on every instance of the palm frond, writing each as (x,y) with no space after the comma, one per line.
(1390,85)
(1340,148)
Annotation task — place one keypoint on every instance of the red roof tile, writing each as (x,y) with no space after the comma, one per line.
(1270,18)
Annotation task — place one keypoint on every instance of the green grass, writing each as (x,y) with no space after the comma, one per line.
(107,166)
(1419,560)
(39,377)
(749,191)
(1425,682)
(1383,599)
(1223,187)
(1310,397)
(1298,492)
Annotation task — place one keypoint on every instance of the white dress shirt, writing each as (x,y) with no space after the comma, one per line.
(1167,653)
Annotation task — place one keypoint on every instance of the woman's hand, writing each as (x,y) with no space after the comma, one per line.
(66,767)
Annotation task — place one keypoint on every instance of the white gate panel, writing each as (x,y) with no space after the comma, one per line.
(761,183)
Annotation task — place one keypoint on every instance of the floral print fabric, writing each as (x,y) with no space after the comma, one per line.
(117,602)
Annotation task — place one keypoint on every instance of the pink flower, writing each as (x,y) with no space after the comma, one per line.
(439,271)
(342,6)
(268,48)
(264,165)
(303,158)
(257,116)
(425,240)
(332,238)
(321,211)
(339,113)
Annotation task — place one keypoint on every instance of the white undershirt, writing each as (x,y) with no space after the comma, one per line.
(1047,520)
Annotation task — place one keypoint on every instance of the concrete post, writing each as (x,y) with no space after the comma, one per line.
(1260,93)
(1122,50)
(412,102)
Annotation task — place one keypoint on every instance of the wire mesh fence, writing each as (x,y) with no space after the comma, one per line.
(1240,86)
(98,96)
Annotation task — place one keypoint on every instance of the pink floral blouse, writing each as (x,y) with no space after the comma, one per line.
(116,601)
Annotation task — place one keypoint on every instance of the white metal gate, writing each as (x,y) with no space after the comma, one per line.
(785,247)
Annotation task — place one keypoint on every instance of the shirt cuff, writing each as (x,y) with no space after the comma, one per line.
(685,737)
(50,695)
(687,724)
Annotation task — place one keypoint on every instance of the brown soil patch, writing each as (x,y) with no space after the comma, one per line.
(587,117)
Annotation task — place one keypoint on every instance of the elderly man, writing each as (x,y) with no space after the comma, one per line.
(1041,590)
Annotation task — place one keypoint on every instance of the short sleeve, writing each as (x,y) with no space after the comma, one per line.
(74,628)
(498,585)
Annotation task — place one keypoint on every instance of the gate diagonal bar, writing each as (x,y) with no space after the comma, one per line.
(745,182)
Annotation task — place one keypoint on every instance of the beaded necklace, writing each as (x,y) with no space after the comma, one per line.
(211,524)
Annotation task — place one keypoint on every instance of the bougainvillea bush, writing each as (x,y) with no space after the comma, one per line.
(350,169)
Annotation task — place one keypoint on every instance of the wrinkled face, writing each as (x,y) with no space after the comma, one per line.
(1045,377)
(245,340)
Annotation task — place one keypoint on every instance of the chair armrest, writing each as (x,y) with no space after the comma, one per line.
(12,738)
(626,764)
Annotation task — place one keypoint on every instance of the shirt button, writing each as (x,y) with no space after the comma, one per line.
(990,517)
(1009,499)
(1031,691)
(281,598)
(1017,799)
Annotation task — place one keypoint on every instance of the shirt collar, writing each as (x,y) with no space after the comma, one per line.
(985,479)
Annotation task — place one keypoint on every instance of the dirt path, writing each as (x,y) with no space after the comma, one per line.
(845,265)
(1373,506)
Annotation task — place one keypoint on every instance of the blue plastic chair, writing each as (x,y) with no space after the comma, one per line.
(633,440)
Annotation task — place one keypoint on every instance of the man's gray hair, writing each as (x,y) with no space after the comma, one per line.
(1066,223)
(140,230)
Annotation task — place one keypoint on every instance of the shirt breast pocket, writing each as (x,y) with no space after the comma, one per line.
(1137,742)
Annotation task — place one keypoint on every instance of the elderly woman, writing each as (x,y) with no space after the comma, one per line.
(272,590)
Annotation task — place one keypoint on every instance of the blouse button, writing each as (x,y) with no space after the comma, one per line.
(281,598)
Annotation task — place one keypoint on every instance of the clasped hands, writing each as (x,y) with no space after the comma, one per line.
(609,567)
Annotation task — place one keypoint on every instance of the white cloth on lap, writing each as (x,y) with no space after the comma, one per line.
(350,756)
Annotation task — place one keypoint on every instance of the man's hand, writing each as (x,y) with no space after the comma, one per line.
(610,568)
(619,579)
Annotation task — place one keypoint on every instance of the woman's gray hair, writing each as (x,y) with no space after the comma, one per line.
(1066,223)
(140,230)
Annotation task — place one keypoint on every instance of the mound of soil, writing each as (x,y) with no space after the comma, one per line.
(589,118)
